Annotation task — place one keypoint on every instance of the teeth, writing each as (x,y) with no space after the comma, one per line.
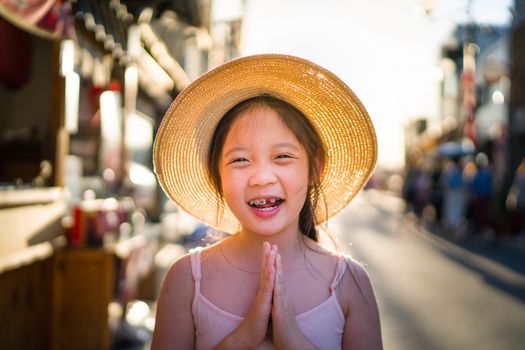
(262,201)
(266,209)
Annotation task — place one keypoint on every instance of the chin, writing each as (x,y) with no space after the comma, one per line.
(261,231)
(267,230)
(267,227)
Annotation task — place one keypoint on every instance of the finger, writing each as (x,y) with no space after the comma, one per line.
(279,267)
(265,257)
(266,246)
(273,254)
(268,271)
(266,252)
(278,300)
(266,286)
(271,266)
(279,289)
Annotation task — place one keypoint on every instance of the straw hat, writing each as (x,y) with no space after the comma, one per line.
(183,139)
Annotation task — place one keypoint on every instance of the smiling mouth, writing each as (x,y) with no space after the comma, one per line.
(266,203)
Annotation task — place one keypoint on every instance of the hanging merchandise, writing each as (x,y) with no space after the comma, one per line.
(15,55)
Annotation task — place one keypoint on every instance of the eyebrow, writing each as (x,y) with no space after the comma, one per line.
(277,145)
(286,145)
(235,149)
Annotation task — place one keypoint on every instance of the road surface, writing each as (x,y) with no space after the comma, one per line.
(432,293)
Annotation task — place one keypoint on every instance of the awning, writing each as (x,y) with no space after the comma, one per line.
(47,19)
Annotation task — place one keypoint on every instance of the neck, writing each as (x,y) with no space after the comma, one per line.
(246,248)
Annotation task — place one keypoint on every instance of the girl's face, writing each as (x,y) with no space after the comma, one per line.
(264,173)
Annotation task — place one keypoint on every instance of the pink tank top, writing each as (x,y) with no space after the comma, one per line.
(323,324)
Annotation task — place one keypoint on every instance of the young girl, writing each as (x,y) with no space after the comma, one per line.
(266,148)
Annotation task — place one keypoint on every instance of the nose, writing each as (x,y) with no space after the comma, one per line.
(262,175)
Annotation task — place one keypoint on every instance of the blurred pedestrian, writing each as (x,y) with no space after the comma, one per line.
(423,187)
(469,170)
(409,187)
(436,192)
(481,191)
(454,197)
(516,199)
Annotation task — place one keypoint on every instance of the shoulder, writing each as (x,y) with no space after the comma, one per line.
(355,286)
(355,268)
(179,277)
(174,318)
(182,269)
(362,325)
(207,260)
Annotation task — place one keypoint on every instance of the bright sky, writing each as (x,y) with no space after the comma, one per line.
(385,50)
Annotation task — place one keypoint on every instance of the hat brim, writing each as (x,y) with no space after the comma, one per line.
(183,139)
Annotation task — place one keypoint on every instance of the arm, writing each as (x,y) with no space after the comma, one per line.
(362,326)
(174,328)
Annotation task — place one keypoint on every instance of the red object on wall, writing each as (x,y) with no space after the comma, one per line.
(15,55)
(77,233)
(31,11)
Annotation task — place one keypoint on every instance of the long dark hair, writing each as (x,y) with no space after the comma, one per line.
(303,130)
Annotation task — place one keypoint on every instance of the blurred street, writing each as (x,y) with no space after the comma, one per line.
(434,293)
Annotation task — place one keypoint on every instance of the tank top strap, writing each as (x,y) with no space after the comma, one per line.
(195,259)
(341,266)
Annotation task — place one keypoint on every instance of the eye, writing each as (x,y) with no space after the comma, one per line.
(237,160)
(285,156)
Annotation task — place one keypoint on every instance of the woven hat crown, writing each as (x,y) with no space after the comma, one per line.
(183,140)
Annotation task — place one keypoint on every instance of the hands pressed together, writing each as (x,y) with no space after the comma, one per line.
(270,303)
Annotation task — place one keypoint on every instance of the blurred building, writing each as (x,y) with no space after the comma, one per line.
(473,92)
(84,85)
(475,68)
(99,75)
(517,90)
(482,104)
(481,91)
